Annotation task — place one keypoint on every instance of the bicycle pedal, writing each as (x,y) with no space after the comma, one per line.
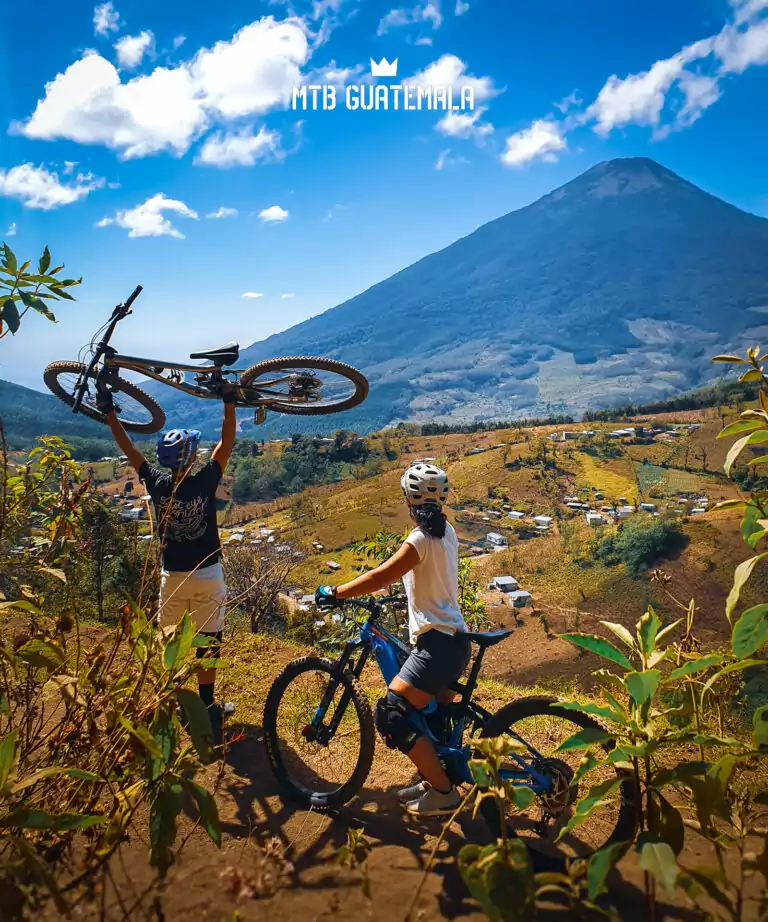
(260,416)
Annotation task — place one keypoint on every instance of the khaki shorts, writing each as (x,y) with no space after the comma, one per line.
(203,593)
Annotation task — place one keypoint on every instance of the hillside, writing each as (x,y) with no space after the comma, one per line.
(618,286)
(26,414)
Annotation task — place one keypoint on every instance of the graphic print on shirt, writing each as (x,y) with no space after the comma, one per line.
(186,519)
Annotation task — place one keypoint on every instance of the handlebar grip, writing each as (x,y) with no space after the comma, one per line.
(132,297)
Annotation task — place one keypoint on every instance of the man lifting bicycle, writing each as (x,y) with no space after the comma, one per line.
(192,578)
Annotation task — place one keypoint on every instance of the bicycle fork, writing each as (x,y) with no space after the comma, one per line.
(317,731)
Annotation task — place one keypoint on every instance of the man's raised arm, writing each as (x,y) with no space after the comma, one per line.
(223,450)
(132,453)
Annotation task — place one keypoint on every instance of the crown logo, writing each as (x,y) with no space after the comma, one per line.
(384,68)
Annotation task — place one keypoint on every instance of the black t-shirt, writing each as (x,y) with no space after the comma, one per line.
(186,519)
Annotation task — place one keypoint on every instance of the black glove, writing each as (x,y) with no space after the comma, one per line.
(104,402)
(325,597)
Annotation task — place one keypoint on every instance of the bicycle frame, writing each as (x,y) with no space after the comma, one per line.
(153,368)
(390,653)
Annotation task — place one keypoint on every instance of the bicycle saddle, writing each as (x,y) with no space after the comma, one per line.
(488,638)
(222,355)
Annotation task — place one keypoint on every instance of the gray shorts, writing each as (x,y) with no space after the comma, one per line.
(437,660)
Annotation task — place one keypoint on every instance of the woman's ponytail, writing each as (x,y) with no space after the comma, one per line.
(431,518)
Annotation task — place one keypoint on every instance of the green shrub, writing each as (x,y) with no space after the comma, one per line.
(641,543)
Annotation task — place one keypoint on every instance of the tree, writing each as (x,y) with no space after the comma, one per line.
(255,577)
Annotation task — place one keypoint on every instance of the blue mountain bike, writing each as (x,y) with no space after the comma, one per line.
(320,737)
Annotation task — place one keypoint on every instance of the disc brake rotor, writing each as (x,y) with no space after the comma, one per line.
(562,793)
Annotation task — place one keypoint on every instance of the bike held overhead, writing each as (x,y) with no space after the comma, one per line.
(294,385)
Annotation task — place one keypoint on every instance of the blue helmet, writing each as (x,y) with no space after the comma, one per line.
(177,448)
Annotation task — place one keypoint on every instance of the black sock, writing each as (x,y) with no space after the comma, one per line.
(206,693)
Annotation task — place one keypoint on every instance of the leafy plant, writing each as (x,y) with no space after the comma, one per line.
(20,288)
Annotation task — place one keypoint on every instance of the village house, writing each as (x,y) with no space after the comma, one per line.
(504,583)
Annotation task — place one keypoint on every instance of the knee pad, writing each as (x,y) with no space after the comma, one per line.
(393,721)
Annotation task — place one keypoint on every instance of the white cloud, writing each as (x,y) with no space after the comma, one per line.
(334,75)
(223,212)
(426,12)
(425,40)
(69,166)
(571,100)
(745,10)
(132,48)
(227,149)
(700,93)
(273,215)
(287,294)
(179,41)
(449,70)
(640,98)
(11,232)
(148,220)
(106,19)
(167,109)
(445,160)
(464,125)
(542,140)
(461,8)
(252,294)
(739,49)
(42,189)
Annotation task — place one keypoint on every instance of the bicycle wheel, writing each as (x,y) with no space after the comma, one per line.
(325,772)
(136,410)
(304,386)
(544,727)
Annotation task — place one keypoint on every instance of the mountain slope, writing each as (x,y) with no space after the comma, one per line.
(619,285)
(26,414)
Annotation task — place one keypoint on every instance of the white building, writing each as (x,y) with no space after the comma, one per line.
(332,565)
(496,539)
(504,583)
(543,520)
(594,518)
(517,516)
(519,598)
(648,507)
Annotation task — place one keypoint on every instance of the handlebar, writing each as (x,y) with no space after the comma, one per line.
(374,605)
(122,310)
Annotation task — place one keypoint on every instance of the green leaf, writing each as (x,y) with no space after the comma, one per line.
(596,796)
(600,865)
(209,814)
(658,859)
(585,738)
(594,710)
(178,647)
(741,425)
(733,453)
(679,773)
(731,667)
(142,735)
(642,685)
(732,359)
(750,632)
(41,654)
(9,258)
(198,722)
(39,819)
(621,632)
(52,772)
(666,631)
(760,726)
(479,769)
(666,823)
(499,876)
(694,666)
(647,629)
(708,879)
(45,262)
(7,756)
(61,293)
(520,796)
(10,315)
(741,574)
(165,806)
(752,375)
(598,645)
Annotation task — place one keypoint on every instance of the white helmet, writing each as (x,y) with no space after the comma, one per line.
(424,483)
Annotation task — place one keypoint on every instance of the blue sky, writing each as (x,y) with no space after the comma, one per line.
(127,126)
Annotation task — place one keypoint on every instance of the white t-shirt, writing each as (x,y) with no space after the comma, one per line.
(432,586)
